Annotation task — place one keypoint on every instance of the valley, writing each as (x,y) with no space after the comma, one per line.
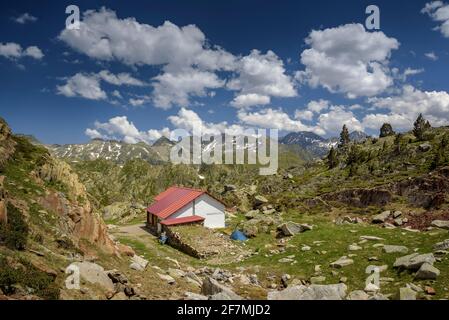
(314,229)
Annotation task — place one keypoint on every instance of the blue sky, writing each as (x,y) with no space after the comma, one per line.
(136,70)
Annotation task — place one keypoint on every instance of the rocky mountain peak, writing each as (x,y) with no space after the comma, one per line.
(163,141)
(358,136)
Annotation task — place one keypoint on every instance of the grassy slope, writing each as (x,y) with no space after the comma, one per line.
(336,239)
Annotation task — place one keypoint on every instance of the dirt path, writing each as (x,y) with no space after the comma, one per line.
(136,230)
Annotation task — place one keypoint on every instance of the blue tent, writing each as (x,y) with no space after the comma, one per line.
(238,235)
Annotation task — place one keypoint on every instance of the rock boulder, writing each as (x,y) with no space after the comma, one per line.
(414,261)
(92,273)
(442,224)
(312,292)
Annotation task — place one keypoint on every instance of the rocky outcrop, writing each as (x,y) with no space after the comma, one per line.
(78,221)
(56,171)
(123,211)
(6,150)
(3,212)
(6,143)
(77,218)
(427,191)
(360,197)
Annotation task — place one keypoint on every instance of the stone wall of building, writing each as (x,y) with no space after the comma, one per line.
(174,239)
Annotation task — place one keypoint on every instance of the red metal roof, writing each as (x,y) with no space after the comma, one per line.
(173,199)
(172,222)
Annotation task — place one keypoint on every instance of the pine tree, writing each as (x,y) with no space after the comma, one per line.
(398,144)
(440,157)
(445,141)
(420,127)
(386,130)
(332,160)
(353,156)
(353,170)
(438,160)
(344,136)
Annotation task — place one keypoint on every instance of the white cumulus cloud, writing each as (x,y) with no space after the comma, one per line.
(404,108)
(120,128)
(331,122)
(431,55)
(13,50)
(348,59)
(439,12)
(88,85)
(82,85)
(25,18)
(187,60)
(176,88)
(249,100)
(120,79)
(273,119)
(262,75)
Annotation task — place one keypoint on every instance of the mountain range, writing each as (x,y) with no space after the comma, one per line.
(120,152)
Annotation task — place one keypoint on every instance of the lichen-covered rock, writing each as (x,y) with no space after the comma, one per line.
(358,295)
(260,200)
(443,245)
(414,261)
(394,249)
(92,273)
(342,262)
(427,272)
(380,218)
(289,229)
(212,287)
(440,224)
(312,292)
(407,294)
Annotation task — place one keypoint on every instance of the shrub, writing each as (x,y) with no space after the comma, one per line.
(27,276)
(14,234)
